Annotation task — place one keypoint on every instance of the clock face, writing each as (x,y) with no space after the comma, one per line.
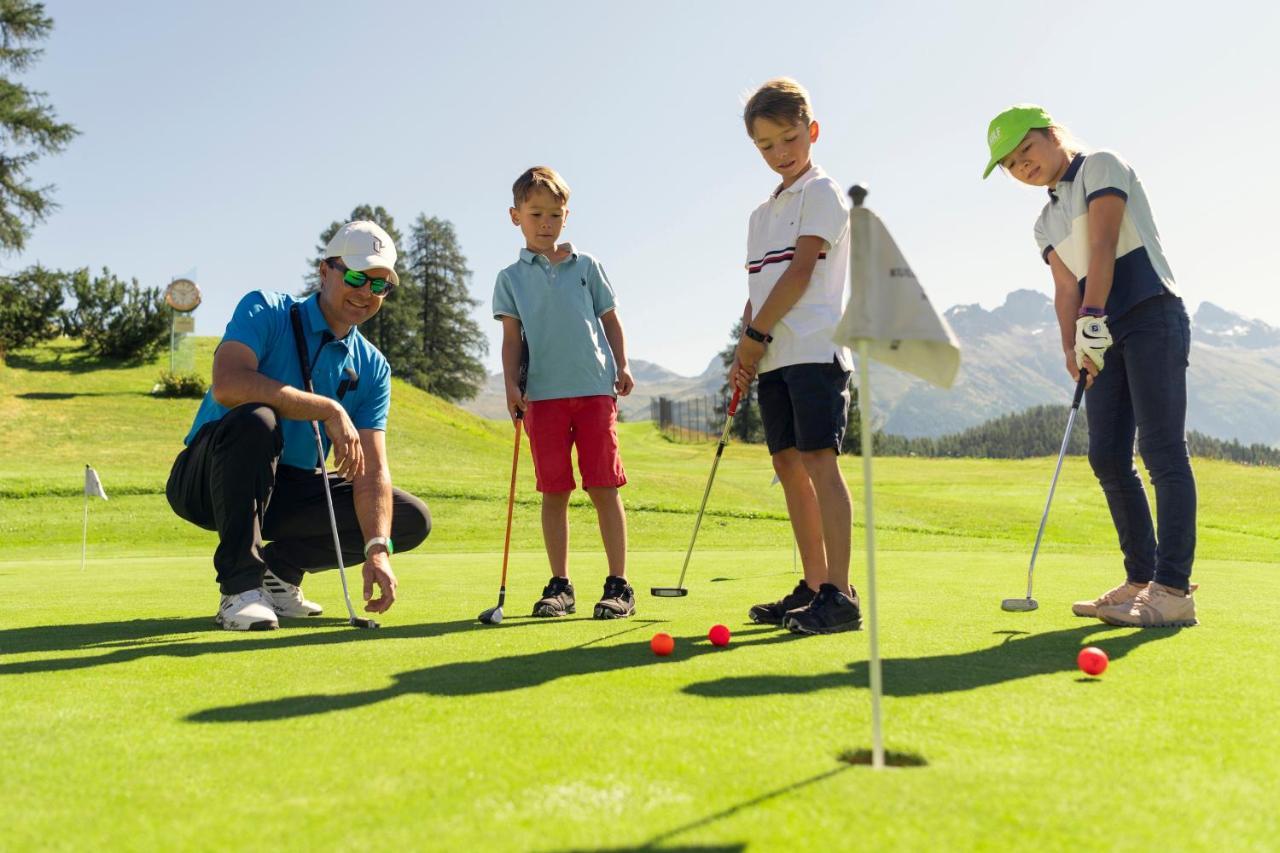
(182,294)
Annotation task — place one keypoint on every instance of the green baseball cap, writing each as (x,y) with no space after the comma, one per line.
(1007,130)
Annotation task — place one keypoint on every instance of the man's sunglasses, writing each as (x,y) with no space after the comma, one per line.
(357,279)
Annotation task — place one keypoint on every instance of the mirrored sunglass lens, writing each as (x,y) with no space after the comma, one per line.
(379,286)
(354,278)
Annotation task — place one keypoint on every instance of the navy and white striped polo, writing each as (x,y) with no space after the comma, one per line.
(1141,270)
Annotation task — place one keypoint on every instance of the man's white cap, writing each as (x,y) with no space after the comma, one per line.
(363,245)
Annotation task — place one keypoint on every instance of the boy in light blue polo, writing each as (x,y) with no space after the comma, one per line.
(559,302)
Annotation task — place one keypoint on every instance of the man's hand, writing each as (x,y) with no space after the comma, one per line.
(1093,338)
(516,400)
(749,353)
(377,571)
(348,456)
(624,383)
(741,377)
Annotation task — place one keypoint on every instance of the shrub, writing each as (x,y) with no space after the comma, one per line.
(180,385)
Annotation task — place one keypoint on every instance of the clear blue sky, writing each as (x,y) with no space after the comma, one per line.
(222,137)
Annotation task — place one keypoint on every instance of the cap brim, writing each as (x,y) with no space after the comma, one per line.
(360,263)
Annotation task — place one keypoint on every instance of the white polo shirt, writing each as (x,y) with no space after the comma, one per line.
(814,206)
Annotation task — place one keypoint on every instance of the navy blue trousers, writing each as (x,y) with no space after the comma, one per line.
(1142,392)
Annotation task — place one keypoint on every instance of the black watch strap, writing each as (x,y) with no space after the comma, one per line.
(757,335)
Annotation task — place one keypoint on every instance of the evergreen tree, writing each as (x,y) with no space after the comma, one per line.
(451,340)
(115,319)
(394,329)
(29,128)
(29,307)
(747,425)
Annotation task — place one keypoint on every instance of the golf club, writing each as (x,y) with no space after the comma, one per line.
(305,363)
(493,615)
(1029,603)
(678,591)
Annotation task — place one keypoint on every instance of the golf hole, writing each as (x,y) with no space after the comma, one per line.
(862,757)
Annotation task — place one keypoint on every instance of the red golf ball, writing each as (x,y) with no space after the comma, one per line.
(662,644)
(1092,660)
(718,635)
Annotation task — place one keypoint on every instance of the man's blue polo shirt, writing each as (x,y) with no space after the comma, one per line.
(261,322)
(560,306)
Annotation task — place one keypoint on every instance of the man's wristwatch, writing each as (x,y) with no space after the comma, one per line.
(757,335)
(385,541)
(1086,311)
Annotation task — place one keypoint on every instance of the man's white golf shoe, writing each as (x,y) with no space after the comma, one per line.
(286,599)
(247,611)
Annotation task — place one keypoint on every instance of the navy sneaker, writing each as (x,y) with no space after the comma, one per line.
(557,599)
(618,601)
(830,612)
(773,613)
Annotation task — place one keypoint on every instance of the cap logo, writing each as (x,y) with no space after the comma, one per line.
(994,136)
(377,245)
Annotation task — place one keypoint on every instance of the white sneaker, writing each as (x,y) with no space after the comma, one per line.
(286,599)
(248,611)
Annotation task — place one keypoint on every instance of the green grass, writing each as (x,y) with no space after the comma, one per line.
(128,722)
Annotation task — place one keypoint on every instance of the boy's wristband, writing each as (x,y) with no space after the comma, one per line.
(757,335)
(1086,311)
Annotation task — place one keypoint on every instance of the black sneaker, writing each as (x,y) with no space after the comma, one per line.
(830,612)
(557,599)
(772,614)
(618,601)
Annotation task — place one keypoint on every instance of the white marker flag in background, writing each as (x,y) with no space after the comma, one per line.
(888,318)
(92,489)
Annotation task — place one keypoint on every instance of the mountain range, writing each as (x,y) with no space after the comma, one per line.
(1011,360)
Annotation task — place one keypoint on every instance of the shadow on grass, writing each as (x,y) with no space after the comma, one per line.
(67,361)
(498,675)
(1021,655)
(657,842)
(71,395)
(146,638)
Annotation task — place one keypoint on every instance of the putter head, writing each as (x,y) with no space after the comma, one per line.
(1019,605)
(668,591)
(357,622)
(492,616)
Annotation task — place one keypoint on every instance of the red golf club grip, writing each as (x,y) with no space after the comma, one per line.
(733,404)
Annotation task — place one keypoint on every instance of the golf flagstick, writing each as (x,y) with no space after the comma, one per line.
(888,318)
(678,591)
(92,488)
(873,626)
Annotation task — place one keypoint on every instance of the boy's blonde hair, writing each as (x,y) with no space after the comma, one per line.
(539,177)
(782,100)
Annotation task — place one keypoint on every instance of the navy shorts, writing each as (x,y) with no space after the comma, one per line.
(805,406)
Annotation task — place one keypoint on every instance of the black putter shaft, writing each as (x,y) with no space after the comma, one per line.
(305,363)
(678,590)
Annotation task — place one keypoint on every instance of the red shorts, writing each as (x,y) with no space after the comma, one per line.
(588,422)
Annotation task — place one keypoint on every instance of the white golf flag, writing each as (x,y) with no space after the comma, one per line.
(889,309)
(92,485)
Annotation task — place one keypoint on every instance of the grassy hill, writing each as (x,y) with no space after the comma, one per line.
(129,722)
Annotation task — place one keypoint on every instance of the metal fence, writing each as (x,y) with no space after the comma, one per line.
(692,419)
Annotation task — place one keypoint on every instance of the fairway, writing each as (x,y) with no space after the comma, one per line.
(129,722)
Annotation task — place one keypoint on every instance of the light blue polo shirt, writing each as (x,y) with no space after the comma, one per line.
(261,322)
(560,306)
(1141,270)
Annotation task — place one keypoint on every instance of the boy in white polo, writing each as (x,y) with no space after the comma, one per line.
(797,262)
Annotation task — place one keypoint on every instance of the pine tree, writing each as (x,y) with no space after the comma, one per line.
(451,340)
(29,128)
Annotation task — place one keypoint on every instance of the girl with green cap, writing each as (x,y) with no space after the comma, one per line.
(1118,307)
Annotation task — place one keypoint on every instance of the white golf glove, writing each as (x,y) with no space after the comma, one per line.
(1093,338)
